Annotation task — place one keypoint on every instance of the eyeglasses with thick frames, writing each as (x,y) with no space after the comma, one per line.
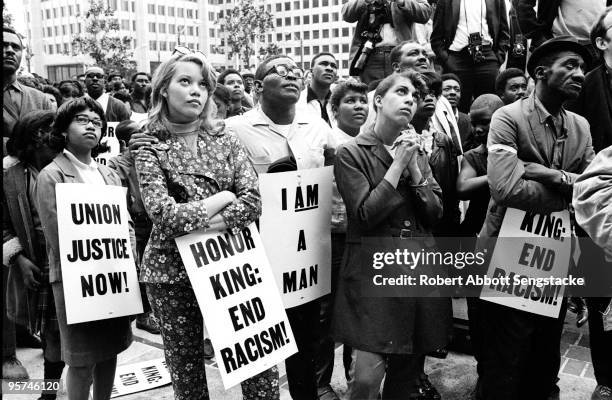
(283,71)
(84,120)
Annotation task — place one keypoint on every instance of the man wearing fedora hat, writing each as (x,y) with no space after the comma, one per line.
(536,150)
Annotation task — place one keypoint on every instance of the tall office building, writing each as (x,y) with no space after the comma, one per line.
(302,28)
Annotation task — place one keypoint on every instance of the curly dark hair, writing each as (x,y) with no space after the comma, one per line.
(53,92)
(66,113)
(27,133)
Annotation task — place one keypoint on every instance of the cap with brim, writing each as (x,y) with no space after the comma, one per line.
(559,43)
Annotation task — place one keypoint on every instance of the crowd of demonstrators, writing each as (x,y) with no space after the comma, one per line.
(419,128)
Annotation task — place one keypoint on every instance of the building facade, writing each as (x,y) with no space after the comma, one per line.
(302,28)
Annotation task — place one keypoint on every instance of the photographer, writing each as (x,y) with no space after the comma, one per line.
(470,38)
(555,18)
(381,25)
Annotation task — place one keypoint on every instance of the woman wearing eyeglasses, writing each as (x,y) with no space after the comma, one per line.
(197,176)
(89,349)
(389,192)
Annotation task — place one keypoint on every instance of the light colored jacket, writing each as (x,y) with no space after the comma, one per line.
(592,200)
(61,170)
(516,137)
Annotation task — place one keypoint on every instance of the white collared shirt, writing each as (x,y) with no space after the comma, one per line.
(476,22)
(103,101)
(89,173)
(267,142)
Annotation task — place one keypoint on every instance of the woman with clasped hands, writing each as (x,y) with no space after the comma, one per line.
(388,189)
(197,176)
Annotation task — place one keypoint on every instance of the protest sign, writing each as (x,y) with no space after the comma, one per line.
(98,270)
(530,248)
(110,139)
(238,297)
(295,229)
(140,376)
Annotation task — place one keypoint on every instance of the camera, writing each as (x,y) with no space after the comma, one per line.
(475,47)
(378,13)
(518,48)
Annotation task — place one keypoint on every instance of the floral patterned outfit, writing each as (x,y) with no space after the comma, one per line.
(174,181)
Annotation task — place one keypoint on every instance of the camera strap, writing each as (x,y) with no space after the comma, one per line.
(378,15)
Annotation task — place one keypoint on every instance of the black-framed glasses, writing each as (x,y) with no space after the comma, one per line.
(84,120)
(95,76)
(283,70)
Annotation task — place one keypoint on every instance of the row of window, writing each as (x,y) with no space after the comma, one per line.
(304,35)
(316,34)
(305,4)
(172,11)
(60,48)
(64,29)
(335,17)
(172,29)
(215,2)
(335,49)
(169,46)
(61,11)
(125,25)
(66,48)
(125,6)
(69,11)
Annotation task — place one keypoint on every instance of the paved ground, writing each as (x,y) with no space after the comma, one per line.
(454,376)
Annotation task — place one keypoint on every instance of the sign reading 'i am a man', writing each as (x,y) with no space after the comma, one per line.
(295,229)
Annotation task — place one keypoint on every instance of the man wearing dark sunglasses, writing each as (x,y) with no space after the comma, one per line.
(95,81)
(276,130)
